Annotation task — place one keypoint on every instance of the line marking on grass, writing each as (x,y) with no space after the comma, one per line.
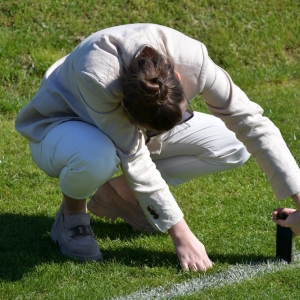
(234,274)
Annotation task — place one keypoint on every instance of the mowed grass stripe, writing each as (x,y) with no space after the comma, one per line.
(235,274)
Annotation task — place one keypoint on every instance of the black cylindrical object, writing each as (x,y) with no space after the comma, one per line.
(285,241)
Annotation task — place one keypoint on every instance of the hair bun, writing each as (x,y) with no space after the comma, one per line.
(152,93)
(162,89)
(155,80)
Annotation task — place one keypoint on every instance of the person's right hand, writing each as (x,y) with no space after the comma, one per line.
(190,251)
(292,221)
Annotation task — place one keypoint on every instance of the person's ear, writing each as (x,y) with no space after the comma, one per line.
(177,75)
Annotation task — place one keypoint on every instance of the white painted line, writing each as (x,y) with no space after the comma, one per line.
(234,274)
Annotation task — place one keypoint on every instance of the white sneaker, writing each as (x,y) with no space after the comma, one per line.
(75,237)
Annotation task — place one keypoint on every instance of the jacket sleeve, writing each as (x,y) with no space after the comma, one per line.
(260,136)
(144,179)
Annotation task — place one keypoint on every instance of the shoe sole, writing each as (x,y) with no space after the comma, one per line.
(56,239)
(111,214)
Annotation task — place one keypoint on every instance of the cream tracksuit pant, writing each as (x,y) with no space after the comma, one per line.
(83,158)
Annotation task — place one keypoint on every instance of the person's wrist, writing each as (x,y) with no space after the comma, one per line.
(179,230)
(296,199)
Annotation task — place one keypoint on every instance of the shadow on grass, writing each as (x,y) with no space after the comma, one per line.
(25,243)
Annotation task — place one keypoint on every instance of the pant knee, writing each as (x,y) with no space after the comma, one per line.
(244,155)
(235,158)
(81,178)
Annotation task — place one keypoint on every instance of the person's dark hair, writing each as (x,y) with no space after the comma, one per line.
(152,93)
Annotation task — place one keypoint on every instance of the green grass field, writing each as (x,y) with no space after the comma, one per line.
(258,43)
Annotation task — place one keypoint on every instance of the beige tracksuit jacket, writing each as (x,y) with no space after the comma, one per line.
(85,85)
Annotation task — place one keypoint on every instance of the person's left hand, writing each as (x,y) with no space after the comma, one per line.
(292,221)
